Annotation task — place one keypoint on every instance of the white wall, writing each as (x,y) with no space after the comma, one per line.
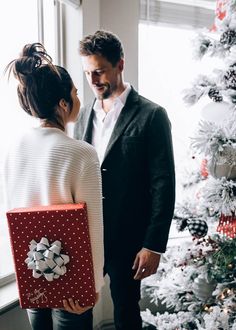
(121,17)
(78,23)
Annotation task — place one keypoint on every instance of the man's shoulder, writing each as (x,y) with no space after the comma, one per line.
(84,114)
(145,102)
(84,110)
(88,105)
(150,107)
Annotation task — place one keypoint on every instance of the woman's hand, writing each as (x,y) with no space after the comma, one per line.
(73,306)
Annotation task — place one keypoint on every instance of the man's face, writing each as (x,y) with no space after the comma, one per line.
(103,78)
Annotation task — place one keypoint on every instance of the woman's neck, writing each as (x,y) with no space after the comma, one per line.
(45,123)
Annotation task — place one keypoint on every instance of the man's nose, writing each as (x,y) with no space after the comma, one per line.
(94,78)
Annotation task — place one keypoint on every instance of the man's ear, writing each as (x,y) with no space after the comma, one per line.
(121,64)
(63,105)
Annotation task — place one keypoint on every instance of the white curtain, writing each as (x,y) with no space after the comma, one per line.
(195,14)
(73,3)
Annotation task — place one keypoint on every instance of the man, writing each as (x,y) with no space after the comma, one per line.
(132,137)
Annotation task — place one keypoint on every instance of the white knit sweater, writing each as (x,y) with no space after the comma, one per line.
(47,167)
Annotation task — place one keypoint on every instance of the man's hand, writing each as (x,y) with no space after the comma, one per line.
(146,263)
(73,306)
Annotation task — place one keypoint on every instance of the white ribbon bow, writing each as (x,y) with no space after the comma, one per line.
(45,259)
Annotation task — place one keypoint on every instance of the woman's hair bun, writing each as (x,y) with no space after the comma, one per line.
(41,84)
(31,58)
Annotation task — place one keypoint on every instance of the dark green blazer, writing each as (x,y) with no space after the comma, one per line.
(138,177)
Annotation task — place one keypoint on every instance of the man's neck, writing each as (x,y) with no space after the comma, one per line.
(108,103)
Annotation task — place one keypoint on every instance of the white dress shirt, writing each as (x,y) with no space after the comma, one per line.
(104,123)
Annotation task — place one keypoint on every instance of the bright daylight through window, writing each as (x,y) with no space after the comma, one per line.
(167,66)
(19,27)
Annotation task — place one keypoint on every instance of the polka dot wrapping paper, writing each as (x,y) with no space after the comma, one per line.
(67,224)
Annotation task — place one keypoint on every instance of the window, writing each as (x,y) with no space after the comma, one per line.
(29,21)
(167,67)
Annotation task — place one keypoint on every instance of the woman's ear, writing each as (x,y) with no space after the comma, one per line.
(63,104)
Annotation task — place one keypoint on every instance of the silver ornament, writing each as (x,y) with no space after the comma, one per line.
(202,288)
(223,163)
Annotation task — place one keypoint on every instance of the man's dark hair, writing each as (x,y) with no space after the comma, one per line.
(102,43)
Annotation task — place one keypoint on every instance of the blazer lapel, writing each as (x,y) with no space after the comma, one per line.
(126,115)
(88,122)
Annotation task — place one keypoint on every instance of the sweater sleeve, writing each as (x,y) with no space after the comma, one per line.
(90,191)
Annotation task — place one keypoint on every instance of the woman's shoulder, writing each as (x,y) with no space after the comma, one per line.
(81,148)
(79,144)
(58,139)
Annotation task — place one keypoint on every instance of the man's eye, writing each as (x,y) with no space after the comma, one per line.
(94,73)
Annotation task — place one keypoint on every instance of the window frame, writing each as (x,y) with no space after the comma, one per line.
(59,55)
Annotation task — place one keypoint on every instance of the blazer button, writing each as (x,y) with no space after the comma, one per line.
(103,197)
(104,169)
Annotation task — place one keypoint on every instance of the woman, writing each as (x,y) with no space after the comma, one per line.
(47,167)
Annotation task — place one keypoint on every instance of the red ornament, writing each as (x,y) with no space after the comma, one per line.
(203,168)
(227,225)
(221,9)
(220,12)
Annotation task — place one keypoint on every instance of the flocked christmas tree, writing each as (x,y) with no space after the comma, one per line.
(197,280)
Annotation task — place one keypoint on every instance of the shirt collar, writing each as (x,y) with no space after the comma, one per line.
(121,99)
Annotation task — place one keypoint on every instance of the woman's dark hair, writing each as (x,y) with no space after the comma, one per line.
(41,84)
(102,43)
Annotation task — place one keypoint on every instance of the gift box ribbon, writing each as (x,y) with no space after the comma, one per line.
(46,260)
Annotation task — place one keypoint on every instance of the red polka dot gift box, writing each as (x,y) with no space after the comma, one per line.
(52,255)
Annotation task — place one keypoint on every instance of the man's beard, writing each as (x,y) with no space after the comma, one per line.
(107,92)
